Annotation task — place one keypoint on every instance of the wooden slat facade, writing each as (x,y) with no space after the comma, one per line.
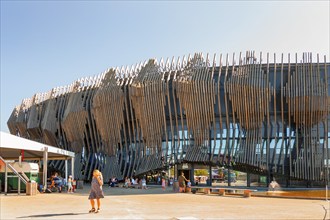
(257,116)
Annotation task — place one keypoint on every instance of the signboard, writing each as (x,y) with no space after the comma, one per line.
(185,166)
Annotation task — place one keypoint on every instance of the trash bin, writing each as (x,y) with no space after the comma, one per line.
(31,188)
(80,184)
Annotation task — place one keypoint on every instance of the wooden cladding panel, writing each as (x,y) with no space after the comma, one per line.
(268,117)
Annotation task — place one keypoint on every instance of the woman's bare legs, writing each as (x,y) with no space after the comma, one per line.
(93,205)
(98,204)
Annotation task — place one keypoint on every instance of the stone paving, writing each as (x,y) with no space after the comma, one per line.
(154,203)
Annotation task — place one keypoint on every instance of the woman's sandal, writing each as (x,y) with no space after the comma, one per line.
(92,210)
(98,210)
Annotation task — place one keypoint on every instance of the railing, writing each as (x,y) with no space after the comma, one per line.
(21,175)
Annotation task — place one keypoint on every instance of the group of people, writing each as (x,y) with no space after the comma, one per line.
(57,183)
(139,183)
(96,192)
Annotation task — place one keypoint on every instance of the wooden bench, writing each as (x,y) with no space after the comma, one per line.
(222,191)
(246,192)
(202,189)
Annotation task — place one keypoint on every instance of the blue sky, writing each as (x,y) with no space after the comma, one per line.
(45,44)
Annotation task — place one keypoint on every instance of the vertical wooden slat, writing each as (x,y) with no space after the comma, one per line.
(121,116)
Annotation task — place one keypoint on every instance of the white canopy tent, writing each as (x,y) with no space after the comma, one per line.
(11,148)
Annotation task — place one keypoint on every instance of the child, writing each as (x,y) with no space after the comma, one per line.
(163,184)
(70,184)
(188,188)
(171,181)
(144,183)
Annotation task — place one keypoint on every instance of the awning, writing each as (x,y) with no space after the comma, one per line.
(12,146)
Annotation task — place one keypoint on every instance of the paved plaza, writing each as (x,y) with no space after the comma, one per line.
(153,203)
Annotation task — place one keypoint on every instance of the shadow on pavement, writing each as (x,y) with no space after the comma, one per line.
(51,215)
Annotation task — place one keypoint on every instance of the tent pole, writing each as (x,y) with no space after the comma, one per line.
(6,178)
(72,168)
(45,164)
(66,170)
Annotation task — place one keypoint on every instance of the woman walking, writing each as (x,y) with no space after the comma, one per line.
(96,191)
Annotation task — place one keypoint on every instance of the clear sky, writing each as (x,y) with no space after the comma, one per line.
(45,44)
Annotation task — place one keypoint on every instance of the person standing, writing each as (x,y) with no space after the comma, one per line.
(144,183)
(163,183)
(188,188)
(182,182)
(96,191)
(70,189)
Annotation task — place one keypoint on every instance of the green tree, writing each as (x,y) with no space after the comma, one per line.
(202,172)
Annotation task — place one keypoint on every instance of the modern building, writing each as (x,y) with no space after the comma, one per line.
(257,116)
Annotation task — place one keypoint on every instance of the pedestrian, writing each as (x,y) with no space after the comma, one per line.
(182,182)
(127,183)
(96,191)
(110,182)
(70,188)
(188,188)
(144,183)
(163,183)
(171,181)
